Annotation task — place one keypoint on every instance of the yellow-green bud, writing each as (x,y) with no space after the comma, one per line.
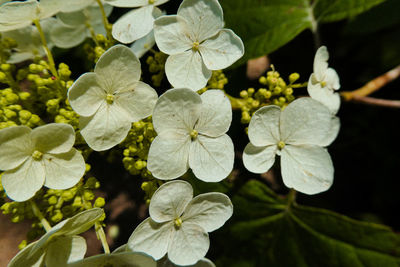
(25,115)
(99,202)
(263,80)
(3,77)
(24,95)
(52,200)
(294,77)
(5,67)
(244,94)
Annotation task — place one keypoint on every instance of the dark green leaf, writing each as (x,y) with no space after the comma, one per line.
(275,234)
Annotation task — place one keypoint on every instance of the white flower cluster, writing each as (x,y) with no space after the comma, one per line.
(191,129)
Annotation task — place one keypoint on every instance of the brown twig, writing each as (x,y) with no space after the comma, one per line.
(376,101)
(372,86)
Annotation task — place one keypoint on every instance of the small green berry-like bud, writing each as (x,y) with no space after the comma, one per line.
(294,77)
(3,77)
(5,67)
(263,80)
(99,203)
(22,245)
(244,94)
(52,200)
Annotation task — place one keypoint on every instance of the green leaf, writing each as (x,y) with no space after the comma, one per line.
(266,25)
(333,10)
(278,234)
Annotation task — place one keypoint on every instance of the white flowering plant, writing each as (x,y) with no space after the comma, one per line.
(132,134)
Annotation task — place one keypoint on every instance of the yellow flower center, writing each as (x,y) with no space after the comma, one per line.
(323,84)
(37,155)
(110,99)
(194,134)
(195,46)
(178,222)
(151,2)
(281,145)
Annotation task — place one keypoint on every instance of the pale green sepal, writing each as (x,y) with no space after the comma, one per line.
(23,258)
(68,36)
(65,249)
(165,262)
(15,146)
(209,210)
(53,138)
(170,200)
(49,8)
(143,45)
(126,259)
(16,15)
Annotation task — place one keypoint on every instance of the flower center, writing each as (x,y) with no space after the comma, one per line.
(178,222)
(110,99)
(37,155)
(194,134)
(281,145)
(323,84)
(195,46)
(151,2)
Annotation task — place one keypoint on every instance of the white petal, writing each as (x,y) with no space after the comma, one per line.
(64,170)
(170,200)
(106,128)
(151,238)
(320,63)
(168,156)
(172,34)
(222,50)
(190,243)
(76,5)
(165,262)
(177,110)
(307,169)
(48,8)
(137,101)
(204,18)
(332,79)
(53,138)
(259,159)
(15,146)
(332,134)
(326,96)
(187,70)
(66,37)
(144,44)
(216,114)
(79,223)
(305,121)
(134,25)
(118,69)
(65,249)
(127,3)
(86,94)
(15,15)
(24,181)
(264,126)
(209,210)
(126,259)
(211,159)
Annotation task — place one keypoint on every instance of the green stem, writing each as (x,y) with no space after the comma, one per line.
(299,85)
(102,236)
(105,20)
(291,197)
(46,48)
(40,216)
(11,81)
(236,103)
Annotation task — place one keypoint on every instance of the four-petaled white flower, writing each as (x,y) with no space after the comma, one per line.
(19,14)
(196,42)
(179,224)
(298,134)
(72,29)
(324,81)
(42,156)
(28,41)
(191,133)
(111,98)
(60,245)
(136,23)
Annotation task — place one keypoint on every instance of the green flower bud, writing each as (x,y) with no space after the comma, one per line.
(293,77)
(263,80)
(99,202)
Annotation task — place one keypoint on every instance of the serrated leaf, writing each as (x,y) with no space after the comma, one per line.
(277,234)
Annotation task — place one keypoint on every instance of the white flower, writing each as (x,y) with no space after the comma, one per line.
(136,23)
(111,98)
(19,14)
(178,223)
(298,134)
(324,81)
(28,41)
(191,133)
(144,44)
(196,43)
(42,156)
(61,244)
(117,258)
(71,30)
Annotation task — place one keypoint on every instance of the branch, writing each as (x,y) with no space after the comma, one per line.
(373,85)
(376,101)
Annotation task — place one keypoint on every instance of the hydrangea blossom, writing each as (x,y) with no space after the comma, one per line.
(178,223)
(191,133)
(111,98)
(42,156)
(71,30)
(61,244)
(19,14)
(28,41)
(196,42)
(324,81)
(136,23)
(298,134)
